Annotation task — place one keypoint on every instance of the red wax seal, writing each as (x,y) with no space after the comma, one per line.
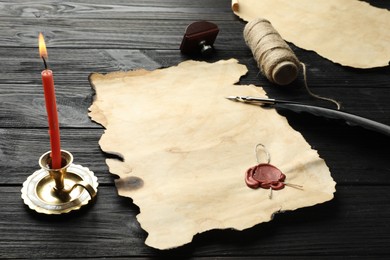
(266,176)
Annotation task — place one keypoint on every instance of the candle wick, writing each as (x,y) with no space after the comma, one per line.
(44,62)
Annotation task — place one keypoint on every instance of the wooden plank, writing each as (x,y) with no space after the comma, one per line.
(119,9)
(71,67)
(107,33)
(351,158)
(354,223)
(24,110)
(21,148)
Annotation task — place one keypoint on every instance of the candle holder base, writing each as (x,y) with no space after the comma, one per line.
(40,194)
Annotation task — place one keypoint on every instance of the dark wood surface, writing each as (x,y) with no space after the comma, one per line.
(103,36)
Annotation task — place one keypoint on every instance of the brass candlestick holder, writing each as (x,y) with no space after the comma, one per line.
(57,191)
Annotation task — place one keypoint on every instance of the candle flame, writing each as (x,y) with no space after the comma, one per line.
(42,46)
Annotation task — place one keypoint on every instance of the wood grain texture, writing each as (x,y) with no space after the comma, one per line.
(150,9)
(109,228)
(100,33)
(98,36)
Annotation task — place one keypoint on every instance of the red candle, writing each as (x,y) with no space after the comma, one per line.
(51,108)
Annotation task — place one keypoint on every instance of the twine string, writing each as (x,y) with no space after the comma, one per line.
(274,57)
(315,95)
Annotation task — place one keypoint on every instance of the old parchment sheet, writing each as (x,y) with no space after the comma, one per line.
(349,32)
(186,149)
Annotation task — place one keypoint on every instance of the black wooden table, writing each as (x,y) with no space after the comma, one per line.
(103,36)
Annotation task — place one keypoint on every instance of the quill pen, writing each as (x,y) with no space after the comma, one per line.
(350,119)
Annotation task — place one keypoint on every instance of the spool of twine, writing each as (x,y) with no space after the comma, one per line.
(274,57)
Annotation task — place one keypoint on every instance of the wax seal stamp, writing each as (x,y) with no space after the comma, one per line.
(266,176)
(57,191)
(199,38)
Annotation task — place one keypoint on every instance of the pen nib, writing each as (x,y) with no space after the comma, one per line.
(233,98)
(241,98)
(255,100)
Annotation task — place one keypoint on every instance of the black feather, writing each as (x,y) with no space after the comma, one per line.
(350,119)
